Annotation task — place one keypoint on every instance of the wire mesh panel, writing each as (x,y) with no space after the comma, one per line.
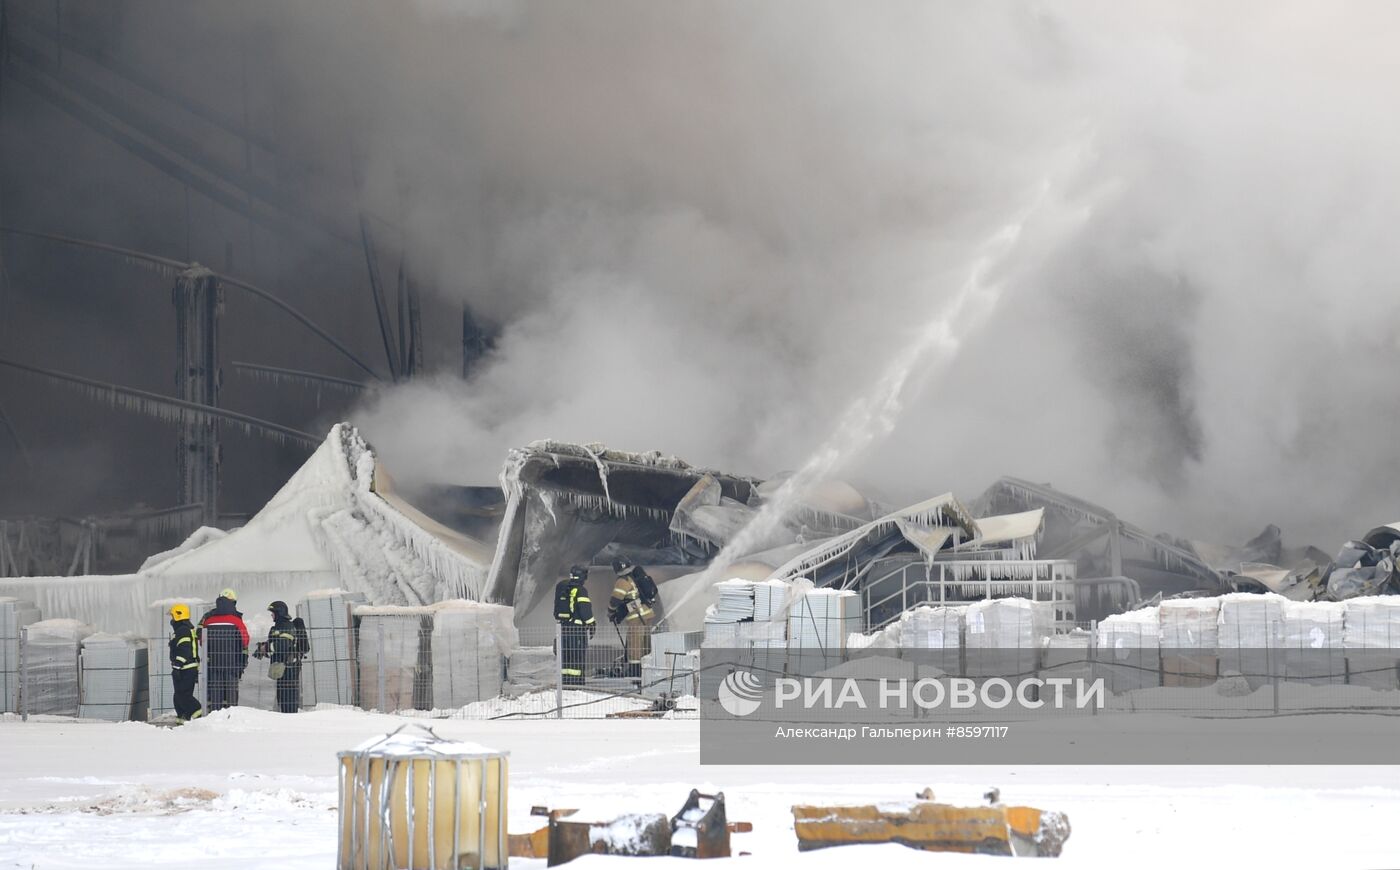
(15,615)
(49,666)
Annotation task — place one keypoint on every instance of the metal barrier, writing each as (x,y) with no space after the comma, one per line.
(886,596)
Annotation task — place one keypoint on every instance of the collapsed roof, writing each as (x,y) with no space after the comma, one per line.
(1100,543)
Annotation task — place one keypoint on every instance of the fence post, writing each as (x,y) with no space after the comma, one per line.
(379,664)
(558,670)
(23,676)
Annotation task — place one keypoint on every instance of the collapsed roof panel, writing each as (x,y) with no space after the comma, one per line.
(1100,542)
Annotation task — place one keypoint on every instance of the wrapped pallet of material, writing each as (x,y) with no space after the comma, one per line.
(770,600)
(114,678)
(1190,632)
(1003,636)
(15,615)
(1128,653)
(395,657)
(669,669)
(328,671)
(1250,636)
(933,636)
(158,680)
(822,619)
(50,674)
(530,669)
(1065,651)
(470,643)
(1312,635)
(1371,640)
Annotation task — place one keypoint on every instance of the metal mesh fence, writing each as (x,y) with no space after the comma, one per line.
(447,664)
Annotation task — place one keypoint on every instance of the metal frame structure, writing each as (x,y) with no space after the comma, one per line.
(963,581)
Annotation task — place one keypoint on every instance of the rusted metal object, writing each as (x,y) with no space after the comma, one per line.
(700,829)
(934,827)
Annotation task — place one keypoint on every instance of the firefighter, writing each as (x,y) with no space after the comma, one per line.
(285,646)
(630,607)
(184,663)
(225,639)
(573,610)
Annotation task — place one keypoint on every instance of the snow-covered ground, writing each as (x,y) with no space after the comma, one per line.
(246,789)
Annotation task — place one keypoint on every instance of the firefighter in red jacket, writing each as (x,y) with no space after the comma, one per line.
(225,641)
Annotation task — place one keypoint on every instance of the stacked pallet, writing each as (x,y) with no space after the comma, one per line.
(158,680)
(823,619)
(1129,650)
(669,669)
(933,636)
(530,669)
(114,678)
(1004,636)
(395,646)
(1190,633)
(1312,636)
(51,676)
(1249,637)
(734,606)
(15,615)
(470,642)
(1371,640)
(328,671)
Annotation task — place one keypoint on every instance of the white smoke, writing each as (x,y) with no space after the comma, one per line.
(706,228)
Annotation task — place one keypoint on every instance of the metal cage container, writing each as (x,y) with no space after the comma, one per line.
(413,800)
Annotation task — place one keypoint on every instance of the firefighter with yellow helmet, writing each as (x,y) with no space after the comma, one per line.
(184,663)
(629,607)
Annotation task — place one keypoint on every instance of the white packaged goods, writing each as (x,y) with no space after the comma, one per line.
(1064,650)
(328,671)
(770,600)
(1128,653)
(1003,636)
(933,636)
(15,614)
(531,668)
(736,601)
(159,685)
(1371,640)
(1312,634)
(469,644)
(51,666)
(1250,635)
(669,669)
(394,652)
(1190,624)
(114,678)
(822,619)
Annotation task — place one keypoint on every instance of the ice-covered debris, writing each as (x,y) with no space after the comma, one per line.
(198,538)
(416,741)
(634,834)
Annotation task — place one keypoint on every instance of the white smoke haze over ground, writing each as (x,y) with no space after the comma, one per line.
(705,228)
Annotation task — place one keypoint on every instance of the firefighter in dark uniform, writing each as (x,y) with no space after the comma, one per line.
(184,663)
(285,645)
(573,610)
(629,607)
(225,639)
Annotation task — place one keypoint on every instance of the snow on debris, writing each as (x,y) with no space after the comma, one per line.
(415,741)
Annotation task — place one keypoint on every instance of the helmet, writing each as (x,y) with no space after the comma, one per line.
(278,608)
(229,594)
(622,565)
(179,612)
(578,572)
